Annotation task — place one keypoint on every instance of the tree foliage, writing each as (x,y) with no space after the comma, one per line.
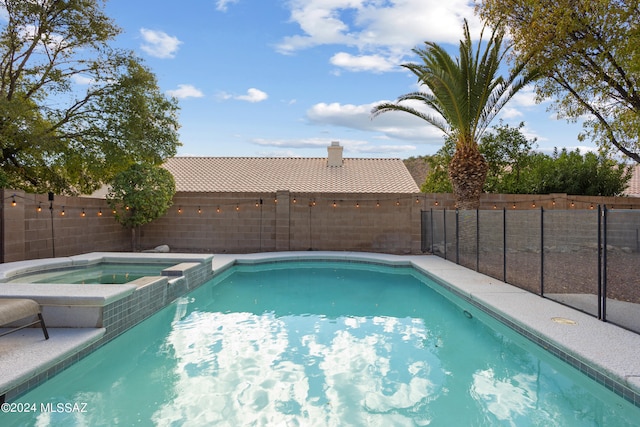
(587,52)
(437,180)
(462,95)
(73,110)
(508,153)
(141,194)
(573,173)
(516,168)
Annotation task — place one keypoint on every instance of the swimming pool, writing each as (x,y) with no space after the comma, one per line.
(323,344)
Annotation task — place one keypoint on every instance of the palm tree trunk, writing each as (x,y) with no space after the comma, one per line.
(467,172)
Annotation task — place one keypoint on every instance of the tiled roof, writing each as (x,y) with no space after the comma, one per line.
(633,189)
(298,175)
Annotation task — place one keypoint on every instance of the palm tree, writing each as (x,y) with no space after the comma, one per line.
(464,95)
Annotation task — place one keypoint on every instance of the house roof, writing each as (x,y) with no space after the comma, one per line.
(298,175)
(633,189)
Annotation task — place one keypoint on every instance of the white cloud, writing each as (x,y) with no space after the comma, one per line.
(221,5)
(83,80)
(375,63)
(510,113)
(223,96)
(351,146)
(293,143)
(380,30)
(159,44)
(526,97)
(390,125)
(186,91)
(253,95)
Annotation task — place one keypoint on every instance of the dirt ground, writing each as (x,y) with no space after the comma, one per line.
(564,272)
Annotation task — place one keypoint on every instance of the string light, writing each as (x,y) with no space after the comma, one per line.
(13,201)
(39,208)
(62,213)
(83,214)
(365,204)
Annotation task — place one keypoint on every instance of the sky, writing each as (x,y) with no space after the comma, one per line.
(285,78)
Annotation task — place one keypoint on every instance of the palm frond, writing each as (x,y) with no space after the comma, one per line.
(466,92)
(435,120)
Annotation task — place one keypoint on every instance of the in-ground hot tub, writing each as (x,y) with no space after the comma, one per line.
(137,284)
(95,274)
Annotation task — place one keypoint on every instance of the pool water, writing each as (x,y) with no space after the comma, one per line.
(323,344)
(102,273)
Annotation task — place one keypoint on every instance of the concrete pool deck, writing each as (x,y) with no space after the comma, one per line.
(601,350)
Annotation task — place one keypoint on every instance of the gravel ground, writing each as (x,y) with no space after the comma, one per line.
(564,272)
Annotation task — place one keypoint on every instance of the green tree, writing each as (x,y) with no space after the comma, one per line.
(515,168)
(141,194)
(587,53)
(437,180)
(508,153)
(73,110)
(464,95)
(571,172)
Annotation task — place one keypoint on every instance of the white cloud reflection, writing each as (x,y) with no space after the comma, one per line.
(510,400)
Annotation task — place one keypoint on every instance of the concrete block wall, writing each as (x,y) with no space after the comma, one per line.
(281,221)
(32,231)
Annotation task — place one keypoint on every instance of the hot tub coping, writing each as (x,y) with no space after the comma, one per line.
(14,269)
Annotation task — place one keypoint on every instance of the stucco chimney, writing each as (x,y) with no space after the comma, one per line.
(335,154)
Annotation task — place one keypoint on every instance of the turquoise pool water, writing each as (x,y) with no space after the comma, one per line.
(101,273)
(322,344)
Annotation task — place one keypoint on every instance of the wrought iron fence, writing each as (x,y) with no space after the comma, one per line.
(586,259)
